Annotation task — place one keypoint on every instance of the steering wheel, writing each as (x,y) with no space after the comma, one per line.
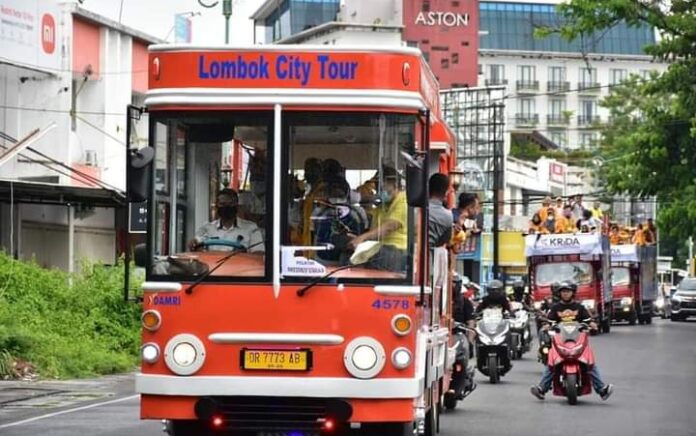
(222,243)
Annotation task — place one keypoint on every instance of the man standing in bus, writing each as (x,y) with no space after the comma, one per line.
(388,226)
(229,227)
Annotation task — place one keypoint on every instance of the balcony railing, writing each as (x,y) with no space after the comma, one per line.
(554,86)
(557,120)
(588,120)
(496,82)
(526,119)
(589,87)
(527,85)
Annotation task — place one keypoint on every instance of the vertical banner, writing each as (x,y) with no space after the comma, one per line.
(182,28)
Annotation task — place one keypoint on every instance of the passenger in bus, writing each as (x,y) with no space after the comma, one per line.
(336,220)
(389,226)
(253,203)
(564,223)
(312,179)
(544,210)
(550,222)
(639,236)
(614,234)
(536,226)
(228,227)
(650,232)
(560,207)
(588,223)
(439,217)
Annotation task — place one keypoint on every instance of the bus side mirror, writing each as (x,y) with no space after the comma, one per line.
(416,193)
(140,255)
(138,174)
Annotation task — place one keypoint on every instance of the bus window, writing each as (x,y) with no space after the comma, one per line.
(347,187)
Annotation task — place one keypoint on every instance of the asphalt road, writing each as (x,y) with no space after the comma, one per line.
(653,368)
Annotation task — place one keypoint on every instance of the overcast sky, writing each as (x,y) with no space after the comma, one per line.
(156,18)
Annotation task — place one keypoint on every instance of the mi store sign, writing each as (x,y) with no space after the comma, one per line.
(447,19)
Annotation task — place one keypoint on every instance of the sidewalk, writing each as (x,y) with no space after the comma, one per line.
(20,399)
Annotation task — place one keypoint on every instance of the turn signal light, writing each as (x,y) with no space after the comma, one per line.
(151,320)
(401,324)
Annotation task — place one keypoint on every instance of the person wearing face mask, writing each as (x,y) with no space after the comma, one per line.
(229,227)
(550,222)
(536,225)
(566,224)
(389,225)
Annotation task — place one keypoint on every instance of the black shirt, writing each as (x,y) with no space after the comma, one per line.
(488,301)
(568,312)
(463,309)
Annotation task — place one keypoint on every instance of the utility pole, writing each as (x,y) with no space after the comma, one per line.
(690,243)
(226,12)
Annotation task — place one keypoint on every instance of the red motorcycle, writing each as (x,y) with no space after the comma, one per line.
(570,360)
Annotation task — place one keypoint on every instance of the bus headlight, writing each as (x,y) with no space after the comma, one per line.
(401,358)
(364,357)
(626,301)
(184,354)
(149,352)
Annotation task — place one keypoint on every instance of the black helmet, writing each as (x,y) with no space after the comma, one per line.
(518,285)
(566,284)
(496,289)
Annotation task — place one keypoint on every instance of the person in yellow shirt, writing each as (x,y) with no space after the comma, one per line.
(544,211)
(597,211)
(639,236)
(614,235)
(565,223)
(536,225)
(389,226)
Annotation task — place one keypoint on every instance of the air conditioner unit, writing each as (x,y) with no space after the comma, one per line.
(91,158)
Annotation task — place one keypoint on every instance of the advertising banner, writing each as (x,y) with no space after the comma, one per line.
(30,33)
(549,245)
(624,253)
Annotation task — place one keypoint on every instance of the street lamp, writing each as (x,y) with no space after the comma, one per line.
(226,12)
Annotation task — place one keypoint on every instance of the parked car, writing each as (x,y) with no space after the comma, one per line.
(683,301)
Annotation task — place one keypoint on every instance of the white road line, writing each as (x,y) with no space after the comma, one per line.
(63,412)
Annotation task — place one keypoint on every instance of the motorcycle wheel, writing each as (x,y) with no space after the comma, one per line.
(493,375)
(450,401)
(571,388)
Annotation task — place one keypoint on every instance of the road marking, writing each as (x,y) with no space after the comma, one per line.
(63,412)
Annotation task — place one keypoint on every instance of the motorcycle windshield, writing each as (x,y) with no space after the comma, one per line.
(492,322)
(570,332)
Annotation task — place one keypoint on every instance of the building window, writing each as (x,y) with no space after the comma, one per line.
(455,4)
(495,75)
(588,140)
(455,58)
(588,77)
(617,76)
(588,112)
(560,138)
(645,74)
(526,73)
(526,107)
(444,63)
(426,6)
(511,26)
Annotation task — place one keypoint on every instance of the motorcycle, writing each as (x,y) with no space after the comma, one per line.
(570,359)
(520,331)
(493,344)
(462,382)
(544,345)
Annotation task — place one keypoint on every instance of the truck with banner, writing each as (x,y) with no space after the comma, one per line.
(583,258)
(290,284)
(634,282)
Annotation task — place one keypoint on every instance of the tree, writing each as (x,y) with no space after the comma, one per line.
(649,147)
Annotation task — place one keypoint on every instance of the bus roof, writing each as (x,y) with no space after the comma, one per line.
(186,76)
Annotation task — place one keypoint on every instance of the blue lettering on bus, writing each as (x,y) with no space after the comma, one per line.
(287,67)
(166,300)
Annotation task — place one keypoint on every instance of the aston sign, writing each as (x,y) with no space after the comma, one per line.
(449,19)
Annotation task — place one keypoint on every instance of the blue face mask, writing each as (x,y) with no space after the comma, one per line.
(385,197)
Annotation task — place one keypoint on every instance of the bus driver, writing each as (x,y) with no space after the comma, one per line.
(229,227)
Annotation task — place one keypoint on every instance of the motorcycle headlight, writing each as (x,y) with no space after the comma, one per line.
(589,304)
(660,303)
(626,301)
(498,339)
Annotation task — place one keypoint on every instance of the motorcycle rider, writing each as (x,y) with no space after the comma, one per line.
(519,295)
(569,310)
(495,297)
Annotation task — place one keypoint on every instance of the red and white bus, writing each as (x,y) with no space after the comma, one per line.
(265,310)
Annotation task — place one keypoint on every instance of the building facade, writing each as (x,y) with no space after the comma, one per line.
(70,74)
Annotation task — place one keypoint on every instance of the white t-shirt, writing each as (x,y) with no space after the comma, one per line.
(250,233)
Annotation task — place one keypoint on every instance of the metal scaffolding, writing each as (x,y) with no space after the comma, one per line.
(477,117)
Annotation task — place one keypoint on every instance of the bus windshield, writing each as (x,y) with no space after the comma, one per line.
(578,272)
(620,276)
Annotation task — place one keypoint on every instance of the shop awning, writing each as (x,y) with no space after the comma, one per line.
(49,193)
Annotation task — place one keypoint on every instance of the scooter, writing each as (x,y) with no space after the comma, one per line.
(462,382)
(570,359)
(493,344)
(520,331)
(544,345)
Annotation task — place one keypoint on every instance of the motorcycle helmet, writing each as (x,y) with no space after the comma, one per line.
(496,289)
(564,285)
(518,289)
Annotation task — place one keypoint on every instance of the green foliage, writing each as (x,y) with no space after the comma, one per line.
(650,145)
(531,151)
(67,331)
